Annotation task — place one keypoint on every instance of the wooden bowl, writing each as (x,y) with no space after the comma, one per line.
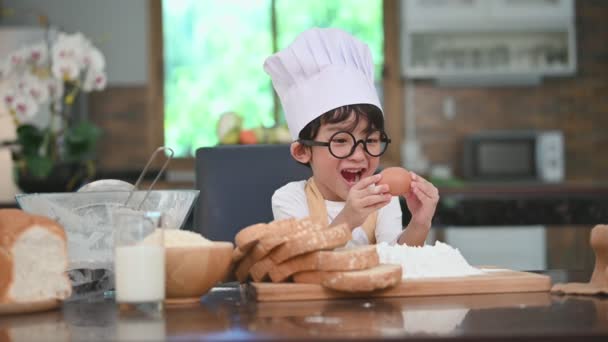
(192,271)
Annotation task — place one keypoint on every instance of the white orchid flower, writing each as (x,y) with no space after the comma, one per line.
(66,69)
(25,108)
(36,88)
(93,58)
(18,58)
(94,80)
(37,54)
(56,88)
(7,97)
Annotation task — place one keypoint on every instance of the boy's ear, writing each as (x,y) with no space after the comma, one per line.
(300,152)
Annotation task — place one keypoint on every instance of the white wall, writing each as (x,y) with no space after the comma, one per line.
(118,27)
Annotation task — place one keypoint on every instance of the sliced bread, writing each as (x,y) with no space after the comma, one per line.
(304,262)
(248,236)
(375,278)
(276,230)
(307,277)
(342,259)
(260,269)
(348,259)
(237,254)
(312,240)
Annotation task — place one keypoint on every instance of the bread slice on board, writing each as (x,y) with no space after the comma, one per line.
(348,259)
(248,236)
(371,279)
(324,239)
(277,231)
(259,271)
(308,277)
(343,259)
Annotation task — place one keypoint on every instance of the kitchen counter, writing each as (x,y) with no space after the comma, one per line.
(227,314)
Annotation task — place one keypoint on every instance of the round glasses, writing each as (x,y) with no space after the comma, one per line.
(343,144)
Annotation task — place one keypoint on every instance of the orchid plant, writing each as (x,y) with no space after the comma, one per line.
(38,88)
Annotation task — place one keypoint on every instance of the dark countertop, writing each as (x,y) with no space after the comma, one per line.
(226,314)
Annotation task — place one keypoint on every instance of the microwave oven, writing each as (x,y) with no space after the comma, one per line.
(514,155)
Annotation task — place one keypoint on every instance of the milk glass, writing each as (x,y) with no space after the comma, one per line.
(139,257)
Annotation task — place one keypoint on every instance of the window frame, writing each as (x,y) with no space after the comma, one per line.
(391,81)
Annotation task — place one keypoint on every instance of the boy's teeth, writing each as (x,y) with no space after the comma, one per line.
(357,176)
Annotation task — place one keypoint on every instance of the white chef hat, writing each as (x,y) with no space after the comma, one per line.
(321,70)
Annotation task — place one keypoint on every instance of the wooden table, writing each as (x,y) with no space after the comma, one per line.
(227,314)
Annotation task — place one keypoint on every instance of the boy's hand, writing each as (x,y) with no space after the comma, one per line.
(421,200)
(363,199)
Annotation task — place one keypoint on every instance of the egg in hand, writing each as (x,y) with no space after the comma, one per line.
(398,180)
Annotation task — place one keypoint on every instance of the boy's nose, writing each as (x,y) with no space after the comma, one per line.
(358,153)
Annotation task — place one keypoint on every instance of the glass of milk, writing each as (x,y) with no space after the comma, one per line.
(139,257)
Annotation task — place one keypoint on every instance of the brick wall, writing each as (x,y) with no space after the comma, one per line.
(121,112)
(578,105)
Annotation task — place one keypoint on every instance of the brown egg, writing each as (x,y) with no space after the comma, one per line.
(398,180)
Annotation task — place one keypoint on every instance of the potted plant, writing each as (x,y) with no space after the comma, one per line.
(54,147)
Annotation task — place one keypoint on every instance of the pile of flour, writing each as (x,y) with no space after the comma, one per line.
(440,260)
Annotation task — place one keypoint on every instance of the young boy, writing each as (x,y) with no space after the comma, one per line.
(325,81)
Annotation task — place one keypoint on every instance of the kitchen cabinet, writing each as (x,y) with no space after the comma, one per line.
(467,40)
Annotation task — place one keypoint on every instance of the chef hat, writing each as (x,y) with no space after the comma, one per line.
(321,70)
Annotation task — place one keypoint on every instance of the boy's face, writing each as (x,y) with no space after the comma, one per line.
(334,177)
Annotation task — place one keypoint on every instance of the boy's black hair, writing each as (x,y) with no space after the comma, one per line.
(368,111)
(372,113)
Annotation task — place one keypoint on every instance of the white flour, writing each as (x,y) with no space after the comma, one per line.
(440,260)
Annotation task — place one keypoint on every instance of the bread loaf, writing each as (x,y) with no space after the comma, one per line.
(33,258)
(345,259)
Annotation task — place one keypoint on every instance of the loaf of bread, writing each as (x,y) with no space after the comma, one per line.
(33,258)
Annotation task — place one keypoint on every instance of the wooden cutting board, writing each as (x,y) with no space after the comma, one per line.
(496,281)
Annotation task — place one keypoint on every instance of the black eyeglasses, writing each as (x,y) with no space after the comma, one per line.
(342,144)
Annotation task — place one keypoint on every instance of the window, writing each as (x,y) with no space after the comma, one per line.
(214,51)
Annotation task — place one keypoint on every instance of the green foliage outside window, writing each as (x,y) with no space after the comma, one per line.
(214,51)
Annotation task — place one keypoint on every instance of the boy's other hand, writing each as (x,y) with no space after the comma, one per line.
(363,199)
(421,201)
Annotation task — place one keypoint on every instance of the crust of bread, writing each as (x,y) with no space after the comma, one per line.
(248,236)
(237,254)
(276,233)
(310,241)
(271,241)
(371,279)
(14,222)
(304,262)
(307,277)
(348,259)
(260,269)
